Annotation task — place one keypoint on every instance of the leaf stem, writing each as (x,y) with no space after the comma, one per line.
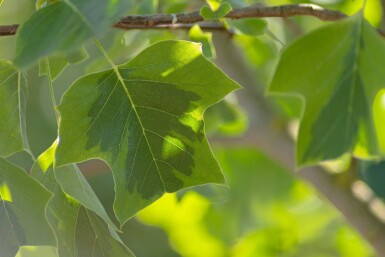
(104,52)
(51,91)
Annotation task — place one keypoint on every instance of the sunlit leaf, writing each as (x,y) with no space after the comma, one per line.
(13,137)
(145,119)
(337,72)
(37,251)
(214,4)
(22,206)
(205,38)
(208,13)
(65,25)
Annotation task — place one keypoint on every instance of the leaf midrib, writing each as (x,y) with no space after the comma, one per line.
(121,80)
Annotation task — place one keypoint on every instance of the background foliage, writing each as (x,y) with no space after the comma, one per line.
(264,211)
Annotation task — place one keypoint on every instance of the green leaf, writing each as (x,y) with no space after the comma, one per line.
(74,184)
(197,35)
(76,233)
(13,136)
(65,25)
(372,173)
(41,169)
(337,70)
(22,206)
(71,181)
(37,251)
(225,118)
(57,63)
(145,119)
(80,232)
(207,13)
(247,26)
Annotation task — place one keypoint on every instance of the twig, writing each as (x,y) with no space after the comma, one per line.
(180,26)
(8,30)
(176,21)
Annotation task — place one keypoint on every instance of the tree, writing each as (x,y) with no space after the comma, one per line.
(144,117)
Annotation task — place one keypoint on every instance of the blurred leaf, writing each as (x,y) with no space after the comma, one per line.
(349,244)
(372,9)
(13,136)
(207,13)
(373,173)
(157,126)
(22,206)
(225,118)
(175,6)
(267,213)
(378,115)
(37,251)
(339,83)
(146,7)
(183,221)
(247,26)
(57,63)
(64,25)
(214,4)
(205,38)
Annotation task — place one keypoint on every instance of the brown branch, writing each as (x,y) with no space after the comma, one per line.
(185,20)
(283,11)
(180,26)
(8,30)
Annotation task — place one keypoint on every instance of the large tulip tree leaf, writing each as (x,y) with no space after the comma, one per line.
(22,206)
(145,119)
(338,71)
(13,137)
(64,25)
